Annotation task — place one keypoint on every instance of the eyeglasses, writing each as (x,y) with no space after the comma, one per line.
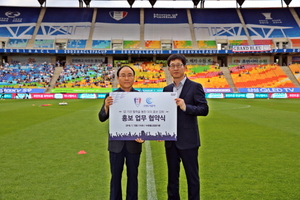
(178,66)
(124,76)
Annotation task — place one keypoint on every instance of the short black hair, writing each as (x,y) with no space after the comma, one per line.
(176,56)
(118,72)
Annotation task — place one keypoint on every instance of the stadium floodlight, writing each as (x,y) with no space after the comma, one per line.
(87,2)
(287,2)
(80,3)
(41,2)
(202,4)
(152,2)
(196,3)
(130,2)
(240,2)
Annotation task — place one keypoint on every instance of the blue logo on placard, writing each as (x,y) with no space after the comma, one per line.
(149,100)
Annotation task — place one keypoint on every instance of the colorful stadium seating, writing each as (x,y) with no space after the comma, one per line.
(84,76)
(264,42)
(207,44)
(131,44)
(237,42)
(26,76)
(152,44)
(295,68)
(259,76)
(179,44)
(210,76)
(148,75)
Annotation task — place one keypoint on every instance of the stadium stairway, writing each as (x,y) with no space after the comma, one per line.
(115,81)
(229,80)
(291,76)
(56,74)
(168,76)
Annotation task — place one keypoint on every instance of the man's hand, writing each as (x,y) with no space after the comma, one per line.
(139,140)
(180,102)
(108,101)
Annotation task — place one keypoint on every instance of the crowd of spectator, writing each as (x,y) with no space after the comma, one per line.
(26,74)
(86,76)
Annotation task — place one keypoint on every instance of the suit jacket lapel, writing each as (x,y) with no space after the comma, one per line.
(169,88)
(185,88)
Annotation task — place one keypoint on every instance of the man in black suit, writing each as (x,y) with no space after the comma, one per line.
(191,103)
(122,151)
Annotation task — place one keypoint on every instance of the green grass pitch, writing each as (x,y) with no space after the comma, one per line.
(250,150)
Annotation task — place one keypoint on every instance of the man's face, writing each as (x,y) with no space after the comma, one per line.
(176,69)
(126,78)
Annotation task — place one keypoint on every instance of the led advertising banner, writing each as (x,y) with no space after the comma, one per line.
(70,96)
(278,95)
(261,95)
(21,90)
(21,96)
(101,96)
(293,95)
(214,95)
(218,90)
(66,96)
(269,90)
(42,96)
(87,96)
(6,96)
(237,95)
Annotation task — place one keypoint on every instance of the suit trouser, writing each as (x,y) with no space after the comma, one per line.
(189,158)
(116,167)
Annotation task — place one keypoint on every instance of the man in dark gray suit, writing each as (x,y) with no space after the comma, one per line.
(191,103)
(122,151)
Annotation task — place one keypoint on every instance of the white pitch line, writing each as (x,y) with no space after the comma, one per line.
(151,188)
(241,107)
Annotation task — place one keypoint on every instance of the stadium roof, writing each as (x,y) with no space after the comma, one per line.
(157,4)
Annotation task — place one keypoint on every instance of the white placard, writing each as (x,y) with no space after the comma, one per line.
(146,115)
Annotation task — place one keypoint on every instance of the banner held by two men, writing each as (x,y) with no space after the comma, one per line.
(145,115)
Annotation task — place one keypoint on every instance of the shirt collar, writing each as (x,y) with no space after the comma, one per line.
(181,83)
